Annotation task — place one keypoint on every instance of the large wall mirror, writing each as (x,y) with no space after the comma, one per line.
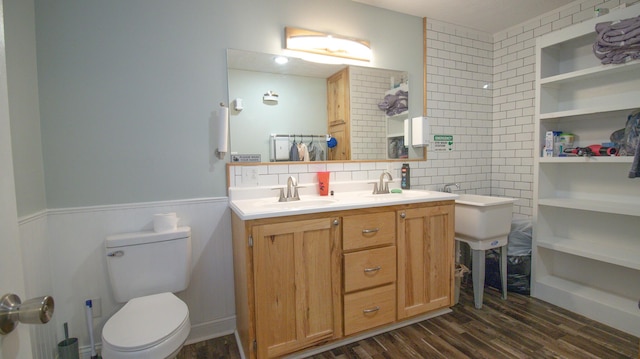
(274,107)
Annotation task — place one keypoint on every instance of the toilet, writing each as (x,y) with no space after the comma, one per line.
(145,269)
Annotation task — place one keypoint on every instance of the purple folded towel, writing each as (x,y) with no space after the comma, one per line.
(395,104)
(618,41)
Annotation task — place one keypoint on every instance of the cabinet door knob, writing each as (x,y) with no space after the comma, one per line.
(403,215)
(336,222)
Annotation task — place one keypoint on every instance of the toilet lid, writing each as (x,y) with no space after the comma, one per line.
(143,322)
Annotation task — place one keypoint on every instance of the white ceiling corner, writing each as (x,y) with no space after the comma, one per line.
(490,16)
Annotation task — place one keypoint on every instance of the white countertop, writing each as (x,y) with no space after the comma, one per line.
(262,202)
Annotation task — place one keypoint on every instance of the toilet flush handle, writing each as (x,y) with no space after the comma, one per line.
(115,254)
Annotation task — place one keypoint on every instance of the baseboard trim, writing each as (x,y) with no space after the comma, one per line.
(317,350)
(212,329)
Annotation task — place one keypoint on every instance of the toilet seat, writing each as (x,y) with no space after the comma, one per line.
(154,326)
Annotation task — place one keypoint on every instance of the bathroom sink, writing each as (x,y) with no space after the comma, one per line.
(483,217)
(404,195)
(262,202)
(302,203)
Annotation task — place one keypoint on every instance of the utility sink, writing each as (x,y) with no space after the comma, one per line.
(483,217)
(484,222)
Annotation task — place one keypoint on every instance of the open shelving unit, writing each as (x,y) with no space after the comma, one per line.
(395,125)
(586,238)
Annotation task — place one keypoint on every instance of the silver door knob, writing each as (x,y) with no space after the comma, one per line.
(33,311)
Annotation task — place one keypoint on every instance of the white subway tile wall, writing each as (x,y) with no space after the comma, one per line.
(481,90)
(368,124)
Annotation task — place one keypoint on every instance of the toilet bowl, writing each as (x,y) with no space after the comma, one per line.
(150,327)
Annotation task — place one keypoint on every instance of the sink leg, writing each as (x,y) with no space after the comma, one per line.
(503,270)
(478,264)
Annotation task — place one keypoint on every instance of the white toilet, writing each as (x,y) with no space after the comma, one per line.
(145,269)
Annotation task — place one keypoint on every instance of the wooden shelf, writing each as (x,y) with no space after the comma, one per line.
(602,251)
(629,209)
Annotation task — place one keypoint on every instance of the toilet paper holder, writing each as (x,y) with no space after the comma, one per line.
(37,310)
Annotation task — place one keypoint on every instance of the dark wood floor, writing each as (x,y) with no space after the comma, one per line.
(520,327)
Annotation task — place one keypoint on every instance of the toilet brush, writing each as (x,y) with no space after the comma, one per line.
(88,306)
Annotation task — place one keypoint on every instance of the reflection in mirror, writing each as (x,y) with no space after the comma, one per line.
(362,110)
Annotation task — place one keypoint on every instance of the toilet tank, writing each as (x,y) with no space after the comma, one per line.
(144,263)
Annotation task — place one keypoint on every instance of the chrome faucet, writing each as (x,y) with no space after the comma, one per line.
(292,184)
(382,187)
(447,187)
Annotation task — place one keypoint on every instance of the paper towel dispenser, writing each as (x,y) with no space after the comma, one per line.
(419,132)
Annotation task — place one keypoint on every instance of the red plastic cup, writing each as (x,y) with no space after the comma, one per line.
(323,183)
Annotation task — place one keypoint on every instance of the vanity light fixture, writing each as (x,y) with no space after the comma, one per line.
(326,44)
(270,98)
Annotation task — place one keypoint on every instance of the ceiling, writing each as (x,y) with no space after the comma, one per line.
(489,16)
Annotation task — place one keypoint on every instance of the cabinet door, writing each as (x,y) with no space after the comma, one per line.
(425,259)
(339,113)
(297,285)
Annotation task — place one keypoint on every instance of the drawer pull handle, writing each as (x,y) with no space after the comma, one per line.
(372,310)
(365,231)
(374,269)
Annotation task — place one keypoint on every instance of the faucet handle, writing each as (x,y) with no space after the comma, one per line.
(375,187)
(447,187)
(296,195)
(281,198)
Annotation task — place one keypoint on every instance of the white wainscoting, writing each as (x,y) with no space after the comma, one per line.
(38,279)
(64,257)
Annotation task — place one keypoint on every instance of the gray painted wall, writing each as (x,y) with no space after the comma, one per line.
(23,105)
(301,109)
(128,88)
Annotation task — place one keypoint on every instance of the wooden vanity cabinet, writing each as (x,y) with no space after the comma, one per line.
(295,300)
(307,280)
(425,259)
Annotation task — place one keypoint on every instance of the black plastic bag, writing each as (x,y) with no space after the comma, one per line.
(518,260)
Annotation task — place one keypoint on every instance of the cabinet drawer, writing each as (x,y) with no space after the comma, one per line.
(369,308)
(369,268)
(368,230)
